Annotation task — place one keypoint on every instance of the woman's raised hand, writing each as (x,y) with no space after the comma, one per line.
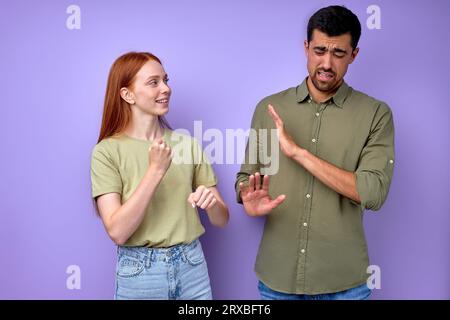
(159,156)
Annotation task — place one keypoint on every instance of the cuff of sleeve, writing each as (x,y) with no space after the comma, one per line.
(210,183)
(97,193)
(362,191)
(236,186)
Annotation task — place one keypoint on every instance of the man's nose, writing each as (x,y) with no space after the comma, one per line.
(326,61)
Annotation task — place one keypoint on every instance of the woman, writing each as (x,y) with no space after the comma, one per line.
(147,202)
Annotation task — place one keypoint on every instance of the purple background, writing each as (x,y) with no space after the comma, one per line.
(222,58)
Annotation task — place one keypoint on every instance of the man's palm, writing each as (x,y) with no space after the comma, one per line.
(256,200)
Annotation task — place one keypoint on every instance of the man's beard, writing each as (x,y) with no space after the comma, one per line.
(325,86)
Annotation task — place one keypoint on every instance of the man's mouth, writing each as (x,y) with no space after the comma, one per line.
(325,76)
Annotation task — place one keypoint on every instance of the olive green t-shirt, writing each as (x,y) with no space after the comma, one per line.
(118,165)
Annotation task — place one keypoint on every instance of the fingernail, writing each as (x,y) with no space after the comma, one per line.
(193,205)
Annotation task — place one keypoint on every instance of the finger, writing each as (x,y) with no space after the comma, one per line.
(257,181)
(251,183)
(243,189)
(198,193)
(276,202)
(163,143)
(155,144)
(276,118)
(203,197)
(265,185)
(191,200)
(207,201)
(212,203)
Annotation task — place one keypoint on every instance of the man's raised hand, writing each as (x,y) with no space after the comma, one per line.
(255,196)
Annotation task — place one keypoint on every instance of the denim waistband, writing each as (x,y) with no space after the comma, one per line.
(157,254)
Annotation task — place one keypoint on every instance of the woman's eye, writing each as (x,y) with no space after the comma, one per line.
(166,80)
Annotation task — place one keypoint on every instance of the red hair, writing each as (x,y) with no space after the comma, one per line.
(116,111)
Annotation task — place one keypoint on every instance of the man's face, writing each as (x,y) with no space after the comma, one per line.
(328,59)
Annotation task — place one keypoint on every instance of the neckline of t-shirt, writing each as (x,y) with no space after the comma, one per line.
(165,133)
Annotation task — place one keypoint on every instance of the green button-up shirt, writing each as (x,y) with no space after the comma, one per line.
(314,241)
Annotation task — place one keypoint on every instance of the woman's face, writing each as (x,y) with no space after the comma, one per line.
(150,90)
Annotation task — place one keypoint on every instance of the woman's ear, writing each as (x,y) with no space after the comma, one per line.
(127,95)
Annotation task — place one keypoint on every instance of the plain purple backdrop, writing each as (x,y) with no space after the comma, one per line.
(222,57)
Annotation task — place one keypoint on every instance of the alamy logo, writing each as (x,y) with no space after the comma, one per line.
(74,279)
(374,281)
(73,21)
(229,148)
(374,20)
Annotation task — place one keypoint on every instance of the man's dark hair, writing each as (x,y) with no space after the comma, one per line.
(335,21)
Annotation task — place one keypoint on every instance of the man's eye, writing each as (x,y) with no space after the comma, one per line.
(339,54)
(319,52)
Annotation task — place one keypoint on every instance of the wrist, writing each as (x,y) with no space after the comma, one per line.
(300,155)
(155,172)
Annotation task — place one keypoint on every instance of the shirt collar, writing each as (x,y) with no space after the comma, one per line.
(338,98)
(302,91)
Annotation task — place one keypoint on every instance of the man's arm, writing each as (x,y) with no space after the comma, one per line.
(340,180)
(373,176)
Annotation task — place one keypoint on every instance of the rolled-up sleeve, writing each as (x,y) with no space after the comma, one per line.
(376,162)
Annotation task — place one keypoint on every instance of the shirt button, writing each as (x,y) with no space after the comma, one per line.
(305,224)
(309,100)
(317,114)
(313,140)
(308,195)
(391,161)
(302,251)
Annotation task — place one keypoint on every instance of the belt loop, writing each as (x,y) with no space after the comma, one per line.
(184,250)
(148,258)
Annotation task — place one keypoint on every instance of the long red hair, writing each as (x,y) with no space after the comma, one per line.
(116,111)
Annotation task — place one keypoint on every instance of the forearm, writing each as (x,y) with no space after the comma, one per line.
(341,181)
(125,221)
(218,214)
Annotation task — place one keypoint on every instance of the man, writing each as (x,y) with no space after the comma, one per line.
(337,156)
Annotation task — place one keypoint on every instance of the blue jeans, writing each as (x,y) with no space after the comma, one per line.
(361,292)
(178,272)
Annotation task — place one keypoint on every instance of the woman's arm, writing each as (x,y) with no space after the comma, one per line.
(122,220)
